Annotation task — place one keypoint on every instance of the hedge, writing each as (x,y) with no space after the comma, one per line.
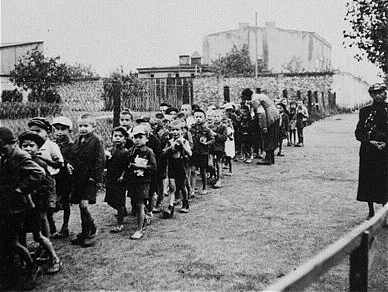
(20,110)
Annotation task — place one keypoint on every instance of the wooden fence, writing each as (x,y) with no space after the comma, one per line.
(359,243)
(154,91)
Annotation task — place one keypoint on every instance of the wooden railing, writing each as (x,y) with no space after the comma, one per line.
(359,243)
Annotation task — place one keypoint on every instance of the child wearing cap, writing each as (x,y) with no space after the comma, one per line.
(36,218)
(64,179)
(88,160)
(140,164)
(51,154)
(19,176)
(115,165)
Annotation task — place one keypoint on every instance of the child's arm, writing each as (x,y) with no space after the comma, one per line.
(99,162)
(32,176)
(186,146)
(210,137)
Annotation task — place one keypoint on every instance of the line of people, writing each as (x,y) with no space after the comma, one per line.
(152,160)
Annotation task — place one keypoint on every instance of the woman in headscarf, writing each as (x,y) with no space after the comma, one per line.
(270,129)
(372,132)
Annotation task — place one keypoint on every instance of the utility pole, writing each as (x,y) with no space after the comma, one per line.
(256,65)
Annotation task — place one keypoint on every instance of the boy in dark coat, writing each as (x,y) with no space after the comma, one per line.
(88,160)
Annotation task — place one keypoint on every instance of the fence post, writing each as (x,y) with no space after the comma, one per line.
(359,262)
(116,94)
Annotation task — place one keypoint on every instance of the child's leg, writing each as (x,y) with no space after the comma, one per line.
(87,222)
(66,217)
(141,215)
(203,177)
(371,209)
(45,242)
(51,222)
(181,185)
(44,223)
(193,177)
(120,215)
(173,190)
(217,166)
(229,163)
(160,191)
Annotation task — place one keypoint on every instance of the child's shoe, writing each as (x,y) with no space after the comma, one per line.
(204,192)
(280,154)
(185,208)
(169,212)
(54,267)
(89,242)
(137,235)
(218,184)
(79,240)
(157,209)
(63,233)
(117,229)
(248,160)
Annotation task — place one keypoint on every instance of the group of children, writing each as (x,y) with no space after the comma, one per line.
(152,160)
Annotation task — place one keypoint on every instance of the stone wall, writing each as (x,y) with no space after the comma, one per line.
(210,90)
(82,95)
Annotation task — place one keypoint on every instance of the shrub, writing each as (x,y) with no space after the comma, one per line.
(11,96)
(19,110)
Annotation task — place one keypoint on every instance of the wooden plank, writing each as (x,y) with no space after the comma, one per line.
(308,272)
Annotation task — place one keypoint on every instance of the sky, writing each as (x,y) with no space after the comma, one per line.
(108,34)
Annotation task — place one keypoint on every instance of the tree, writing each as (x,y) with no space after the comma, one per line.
(369,30)
(40,75)
(81,71)
(293,66)
(237,62)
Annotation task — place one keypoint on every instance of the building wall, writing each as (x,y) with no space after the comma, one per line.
(275,46)
(11,55)
(351,92)
(164,74)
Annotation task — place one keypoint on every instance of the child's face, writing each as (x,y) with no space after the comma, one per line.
(210,118)
(61,131)
(41,132)
(218,116)
(199,117)
(118,138)
(30,147)
(280,109)
(126,121)
(186,110)
(163,108)
(139,139)
(85,126)
(176,132)
(6,149)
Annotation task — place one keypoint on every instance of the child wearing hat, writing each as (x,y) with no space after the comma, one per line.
(52,156)
(19,176)
(36,218)
(140,165)
(115,165)
(64,181)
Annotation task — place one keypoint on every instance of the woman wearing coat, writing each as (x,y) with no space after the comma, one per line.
(372,132)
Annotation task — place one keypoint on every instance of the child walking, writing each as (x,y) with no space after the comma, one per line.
(140,164)
(52,156)
(19,176)
(64,179)
(202,139)
(220,137)
(88,160)
(177,152)
(229,144)
(36,218)
(115,165)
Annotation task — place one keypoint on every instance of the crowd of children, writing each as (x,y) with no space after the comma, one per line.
(152,160)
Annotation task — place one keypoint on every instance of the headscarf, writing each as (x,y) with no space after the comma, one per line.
(270,109)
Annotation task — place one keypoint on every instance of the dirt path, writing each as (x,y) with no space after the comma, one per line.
(262,223)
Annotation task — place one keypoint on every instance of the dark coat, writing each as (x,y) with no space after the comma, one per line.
(44,197)
(132,174)
(18,171)
(372,182)
(88,160)
(199,130)
(220,137)
(116,165)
